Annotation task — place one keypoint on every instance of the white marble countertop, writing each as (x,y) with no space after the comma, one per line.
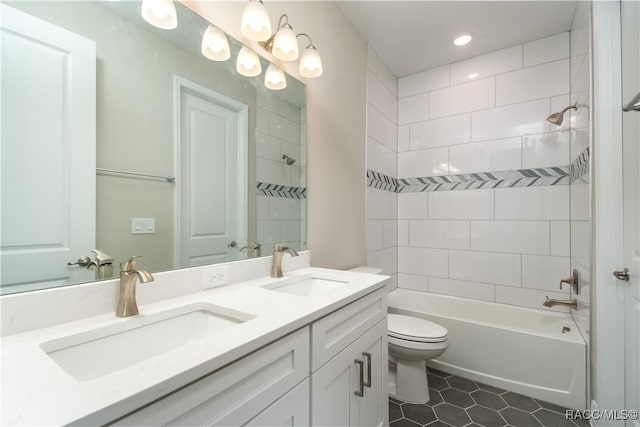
(37,391)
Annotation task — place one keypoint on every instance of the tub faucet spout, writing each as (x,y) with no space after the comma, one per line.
(550,302)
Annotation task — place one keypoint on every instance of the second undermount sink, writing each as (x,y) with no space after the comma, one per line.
(306,286)
(107,349)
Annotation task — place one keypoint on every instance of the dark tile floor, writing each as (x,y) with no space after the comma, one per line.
(458,402)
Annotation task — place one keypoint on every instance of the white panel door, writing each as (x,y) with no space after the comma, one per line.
(48,152)
(212,168)
(630,13)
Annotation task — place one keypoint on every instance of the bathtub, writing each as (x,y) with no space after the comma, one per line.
(515,348)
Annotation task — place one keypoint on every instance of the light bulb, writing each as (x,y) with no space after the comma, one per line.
(462,39)
(160,13)
(285,44)
(248,63)
(215,45)
(310,63)
(274,78)
(255,23)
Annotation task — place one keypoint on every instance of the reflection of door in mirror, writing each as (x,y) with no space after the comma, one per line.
(212,140)
(48,153)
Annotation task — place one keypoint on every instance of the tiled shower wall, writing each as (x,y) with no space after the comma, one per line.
(580,188)
(382,148)
(482,178)
(281,204)
(506,244)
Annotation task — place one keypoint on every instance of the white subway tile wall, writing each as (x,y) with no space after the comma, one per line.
(383,144)
(484,114)
(281,129)
(580,217)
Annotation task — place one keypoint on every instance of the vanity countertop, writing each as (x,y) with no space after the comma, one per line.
(37,391)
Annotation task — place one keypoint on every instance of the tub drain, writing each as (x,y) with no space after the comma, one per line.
(566,329)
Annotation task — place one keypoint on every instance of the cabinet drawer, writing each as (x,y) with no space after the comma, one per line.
(235,394)
(333,333)
(292,409)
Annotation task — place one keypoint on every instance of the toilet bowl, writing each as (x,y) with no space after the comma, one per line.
(412,341)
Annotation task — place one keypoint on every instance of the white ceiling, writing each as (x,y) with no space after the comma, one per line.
(413,36)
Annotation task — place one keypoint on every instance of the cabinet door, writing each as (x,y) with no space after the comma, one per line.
(333,387)
(373,407)
(292,409)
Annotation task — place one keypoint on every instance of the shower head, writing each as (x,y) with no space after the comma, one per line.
(289,160)
(558,118)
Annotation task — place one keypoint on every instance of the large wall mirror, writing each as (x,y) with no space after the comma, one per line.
(123,139)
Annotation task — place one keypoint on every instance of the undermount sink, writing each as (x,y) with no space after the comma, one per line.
(107,349)
(306,286)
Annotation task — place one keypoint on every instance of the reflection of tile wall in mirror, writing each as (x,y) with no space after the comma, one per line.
(280,133)
(136,65)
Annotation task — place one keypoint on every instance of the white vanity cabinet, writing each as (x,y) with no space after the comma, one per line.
(350,387)
(236,394)
(309,377)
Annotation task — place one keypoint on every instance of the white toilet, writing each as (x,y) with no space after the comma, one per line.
(412,341)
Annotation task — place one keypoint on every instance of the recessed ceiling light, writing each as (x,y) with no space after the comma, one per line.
(462,40)
(473,75)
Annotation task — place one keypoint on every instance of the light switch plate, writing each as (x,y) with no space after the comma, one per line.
(143,225)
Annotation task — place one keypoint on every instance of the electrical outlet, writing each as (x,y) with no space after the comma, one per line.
(215,276)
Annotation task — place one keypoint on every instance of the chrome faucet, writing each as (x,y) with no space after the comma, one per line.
(103,264)
(254,249)
(129,275)
(278,253)
(550,302)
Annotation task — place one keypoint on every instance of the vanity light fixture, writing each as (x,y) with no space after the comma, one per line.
(248,63)
(285,43)
(274,78)
(462,39)
(255,23)
(284,46)
(160,13)
(310,62)
(215,45)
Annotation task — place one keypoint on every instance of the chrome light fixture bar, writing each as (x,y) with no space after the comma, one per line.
(284,46)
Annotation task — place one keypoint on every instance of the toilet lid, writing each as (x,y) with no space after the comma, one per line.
(415,329)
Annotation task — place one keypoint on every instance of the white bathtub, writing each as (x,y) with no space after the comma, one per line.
(515,348)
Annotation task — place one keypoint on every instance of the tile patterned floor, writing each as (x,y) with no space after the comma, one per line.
(458,402)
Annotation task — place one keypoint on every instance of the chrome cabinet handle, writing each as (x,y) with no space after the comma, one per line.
(360,393)
(367,357)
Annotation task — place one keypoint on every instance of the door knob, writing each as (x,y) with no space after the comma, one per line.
(622,275)
(233,244)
